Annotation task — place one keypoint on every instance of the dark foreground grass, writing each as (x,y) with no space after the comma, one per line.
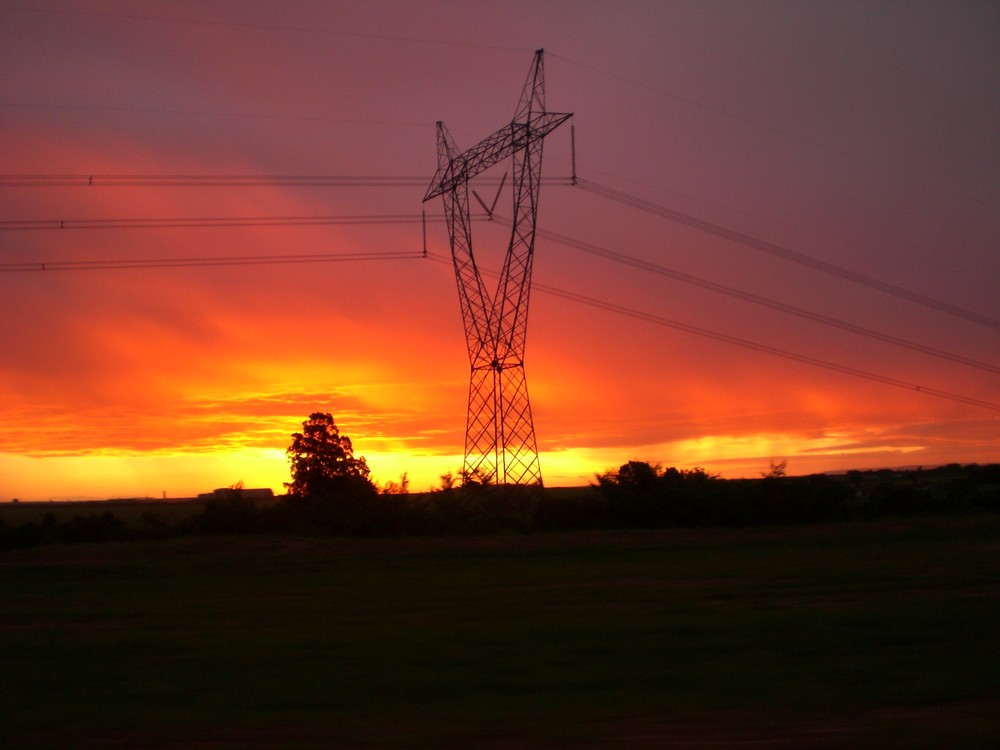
(863,635)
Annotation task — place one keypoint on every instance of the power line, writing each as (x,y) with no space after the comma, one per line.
(785,253)
(231,180)
(746,343)
(756,299)
(197,262)
(725,338)
(217,221)
(456,43)
(212,113)
(228,180)
(840,239)
(206,180)
(201,222)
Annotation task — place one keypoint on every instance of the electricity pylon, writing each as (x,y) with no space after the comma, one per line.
(499,434)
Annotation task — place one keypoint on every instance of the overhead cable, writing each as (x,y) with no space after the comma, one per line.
(755,299)
(785,253)
(206,180)
(214,221)
(227,180)
(747,344)
(765,348)
(236,260)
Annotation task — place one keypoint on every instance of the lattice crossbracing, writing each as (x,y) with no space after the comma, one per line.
(500,436)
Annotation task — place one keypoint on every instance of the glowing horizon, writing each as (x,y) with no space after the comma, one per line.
(182,474)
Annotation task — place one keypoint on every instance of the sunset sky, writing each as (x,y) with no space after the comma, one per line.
(849,150)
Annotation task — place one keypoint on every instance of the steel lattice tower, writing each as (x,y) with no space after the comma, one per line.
(499,434)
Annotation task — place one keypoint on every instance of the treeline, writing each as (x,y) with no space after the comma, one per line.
(642,495)
(637,495)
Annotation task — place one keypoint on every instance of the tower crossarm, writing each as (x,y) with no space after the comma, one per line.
(492,150)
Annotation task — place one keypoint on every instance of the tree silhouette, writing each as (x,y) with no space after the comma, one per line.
(322,460)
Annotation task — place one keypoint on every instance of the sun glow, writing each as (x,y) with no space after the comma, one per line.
(101,477)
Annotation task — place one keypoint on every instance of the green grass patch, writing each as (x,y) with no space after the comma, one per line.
(825,636)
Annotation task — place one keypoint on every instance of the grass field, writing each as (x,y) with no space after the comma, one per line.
(879,635)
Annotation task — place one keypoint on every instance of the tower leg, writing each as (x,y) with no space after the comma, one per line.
(500,435)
